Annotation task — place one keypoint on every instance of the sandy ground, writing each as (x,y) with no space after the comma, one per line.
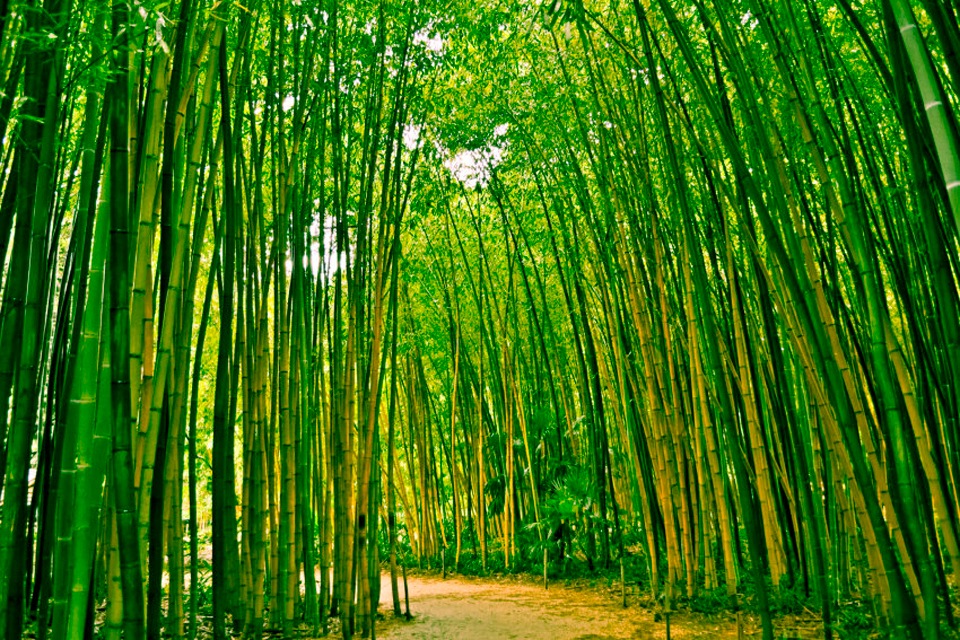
(488,609)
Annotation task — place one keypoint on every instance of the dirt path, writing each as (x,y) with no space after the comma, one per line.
(493,608)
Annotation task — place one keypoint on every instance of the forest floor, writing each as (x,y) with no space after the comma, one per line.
(517,607)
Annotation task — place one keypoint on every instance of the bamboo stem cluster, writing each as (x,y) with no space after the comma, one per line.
(693,314)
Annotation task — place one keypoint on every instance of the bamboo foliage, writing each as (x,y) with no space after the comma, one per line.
(660,285)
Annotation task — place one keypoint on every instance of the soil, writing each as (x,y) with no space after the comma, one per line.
(518,607)
(491,608)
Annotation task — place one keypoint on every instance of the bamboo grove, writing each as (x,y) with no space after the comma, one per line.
(320,287)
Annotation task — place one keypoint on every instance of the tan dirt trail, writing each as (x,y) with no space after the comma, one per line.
(458,608)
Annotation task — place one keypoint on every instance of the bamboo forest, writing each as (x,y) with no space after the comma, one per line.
(660,297)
